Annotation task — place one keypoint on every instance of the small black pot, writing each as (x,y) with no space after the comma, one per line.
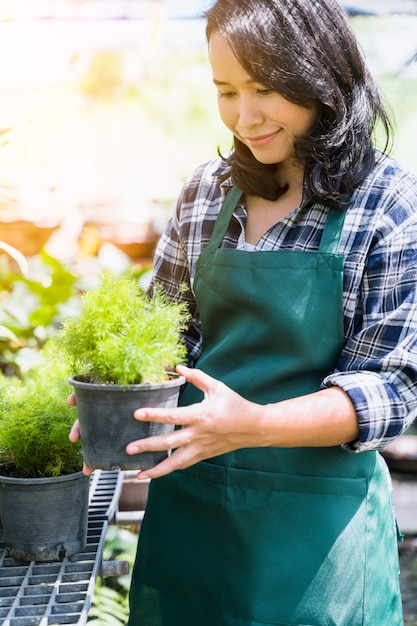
(44,519)
(107,425)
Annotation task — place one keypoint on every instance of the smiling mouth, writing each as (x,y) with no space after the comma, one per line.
(261,140)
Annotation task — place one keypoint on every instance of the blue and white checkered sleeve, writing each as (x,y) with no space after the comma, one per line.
(378,365)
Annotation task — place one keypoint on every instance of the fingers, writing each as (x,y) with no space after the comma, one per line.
(180,459)
(160,443)
(74,436)
(175,416)
(87,470)
(196,377)
(183,415)
(75,432)
(192,442)
(185,453)
(71,400)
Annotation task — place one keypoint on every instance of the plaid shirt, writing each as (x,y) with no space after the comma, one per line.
(378,364)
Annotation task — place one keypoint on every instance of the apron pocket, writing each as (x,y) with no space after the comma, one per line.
(295,552)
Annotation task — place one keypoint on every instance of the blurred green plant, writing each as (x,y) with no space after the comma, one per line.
(32,304)
(109,608)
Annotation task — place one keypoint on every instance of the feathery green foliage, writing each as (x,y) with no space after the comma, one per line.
(122,336)
(35,421)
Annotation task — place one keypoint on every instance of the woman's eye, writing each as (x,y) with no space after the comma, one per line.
(226,94)
(264,91)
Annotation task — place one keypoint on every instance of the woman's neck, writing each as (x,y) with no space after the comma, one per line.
(263,214)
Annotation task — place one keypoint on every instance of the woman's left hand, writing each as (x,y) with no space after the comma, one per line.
(222,422)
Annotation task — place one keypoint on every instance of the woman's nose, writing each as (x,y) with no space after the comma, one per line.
(249,113)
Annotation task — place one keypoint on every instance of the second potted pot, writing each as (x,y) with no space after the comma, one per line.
(43,492)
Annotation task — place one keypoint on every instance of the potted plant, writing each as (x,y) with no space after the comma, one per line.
(43,492)
(121,349)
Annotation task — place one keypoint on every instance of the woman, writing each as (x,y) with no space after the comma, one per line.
(299,254)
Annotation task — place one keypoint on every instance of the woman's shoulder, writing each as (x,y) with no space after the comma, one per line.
(206,181)
(383,210)
(201,197)
(392,180)
(389,193)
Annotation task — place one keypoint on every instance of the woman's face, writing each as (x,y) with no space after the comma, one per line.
(263,120)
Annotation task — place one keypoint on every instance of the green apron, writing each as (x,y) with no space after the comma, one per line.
(269,536)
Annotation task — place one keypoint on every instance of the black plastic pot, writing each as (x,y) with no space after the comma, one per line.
(107,425)
(44,519)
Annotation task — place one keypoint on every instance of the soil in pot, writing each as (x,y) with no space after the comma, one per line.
(107,424)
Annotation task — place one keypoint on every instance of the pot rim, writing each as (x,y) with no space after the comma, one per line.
(13,480)
(175,380)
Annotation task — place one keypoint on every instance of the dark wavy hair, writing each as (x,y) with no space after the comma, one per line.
(306,51)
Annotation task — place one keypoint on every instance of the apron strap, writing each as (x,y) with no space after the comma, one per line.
(332,230)
(224,217)
(329,240)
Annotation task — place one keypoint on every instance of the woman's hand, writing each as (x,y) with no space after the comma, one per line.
(75,434)
(222,422)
